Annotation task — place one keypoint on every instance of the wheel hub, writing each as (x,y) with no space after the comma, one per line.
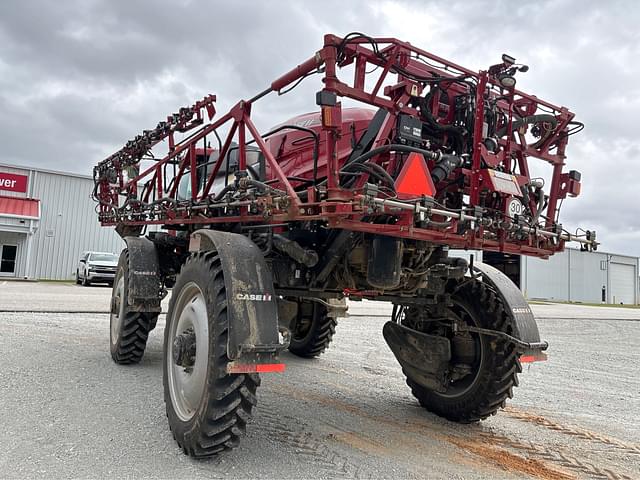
(184,349)
(115,304)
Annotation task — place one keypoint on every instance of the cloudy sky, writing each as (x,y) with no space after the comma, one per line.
(79,78)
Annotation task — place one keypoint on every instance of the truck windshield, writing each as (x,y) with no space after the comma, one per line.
(103,257)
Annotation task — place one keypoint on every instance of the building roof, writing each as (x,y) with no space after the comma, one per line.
(19,207)
(45,170)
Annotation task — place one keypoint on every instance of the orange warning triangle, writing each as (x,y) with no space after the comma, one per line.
(414,179)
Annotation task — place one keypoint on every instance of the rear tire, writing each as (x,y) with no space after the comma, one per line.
(207,408)
(496,366)
(129,329)
(312,330)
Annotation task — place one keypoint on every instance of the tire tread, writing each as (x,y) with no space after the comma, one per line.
(231,398)
(498,377)
(323,328)
(134,331)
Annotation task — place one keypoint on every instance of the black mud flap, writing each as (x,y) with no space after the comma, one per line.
(425,358)
(145,289)
(254,337)
(525,327)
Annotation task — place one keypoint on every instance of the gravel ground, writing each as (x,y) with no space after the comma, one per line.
(68,411)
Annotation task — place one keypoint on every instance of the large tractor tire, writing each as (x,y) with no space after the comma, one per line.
(312,330)
(129,329)
(207,408)
(490,363)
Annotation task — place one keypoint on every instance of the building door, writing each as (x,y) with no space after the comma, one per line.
(506,263)
(8,254)
(623,283)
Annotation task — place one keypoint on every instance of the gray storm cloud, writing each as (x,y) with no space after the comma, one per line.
(77,79)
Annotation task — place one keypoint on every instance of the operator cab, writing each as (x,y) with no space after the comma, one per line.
(226,173)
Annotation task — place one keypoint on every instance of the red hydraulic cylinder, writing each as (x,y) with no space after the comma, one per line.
(300,71)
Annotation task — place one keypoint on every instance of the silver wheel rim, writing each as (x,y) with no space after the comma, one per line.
(117,309)
(187,384)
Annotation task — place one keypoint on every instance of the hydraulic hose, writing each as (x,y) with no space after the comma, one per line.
(444,167)
(396,147)
(445,163)
(530,120)
(223,192)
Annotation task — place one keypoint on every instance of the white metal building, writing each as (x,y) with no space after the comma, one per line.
(570,276)
(577,276)
(47,219)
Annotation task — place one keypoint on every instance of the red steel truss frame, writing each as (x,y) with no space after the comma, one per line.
(157,203)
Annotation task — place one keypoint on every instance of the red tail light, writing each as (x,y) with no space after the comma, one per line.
(255,367)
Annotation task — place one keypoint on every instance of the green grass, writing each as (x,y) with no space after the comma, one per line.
(613,305)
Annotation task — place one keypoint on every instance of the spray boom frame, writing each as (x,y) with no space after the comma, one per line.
(130,198)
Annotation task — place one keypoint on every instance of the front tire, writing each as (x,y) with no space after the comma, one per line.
(493,363)
(312,330)
(129,329)
(207,408)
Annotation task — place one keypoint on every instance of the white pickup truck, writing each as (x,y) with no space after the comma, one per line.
(94,267)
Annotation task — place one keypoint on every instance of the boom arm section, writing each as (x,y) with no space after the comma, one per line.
(461,139)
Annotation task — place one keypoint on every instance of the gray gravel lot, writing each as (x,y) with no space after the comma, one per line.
(68,411)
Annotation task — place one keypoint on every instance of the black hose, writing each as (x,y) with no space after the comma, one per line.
(386,148)
(390,147)
(264,186)
(393,147)
(530,120)
(428,117)
(223,192)
(312,134)
(383,174)
(444,167)
(374,170)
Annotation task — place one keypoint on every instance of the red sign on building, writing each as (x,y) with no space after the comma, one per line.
(13,183)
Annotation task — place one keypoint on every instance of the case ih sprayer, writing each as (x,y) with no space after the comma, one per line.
(263,236)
